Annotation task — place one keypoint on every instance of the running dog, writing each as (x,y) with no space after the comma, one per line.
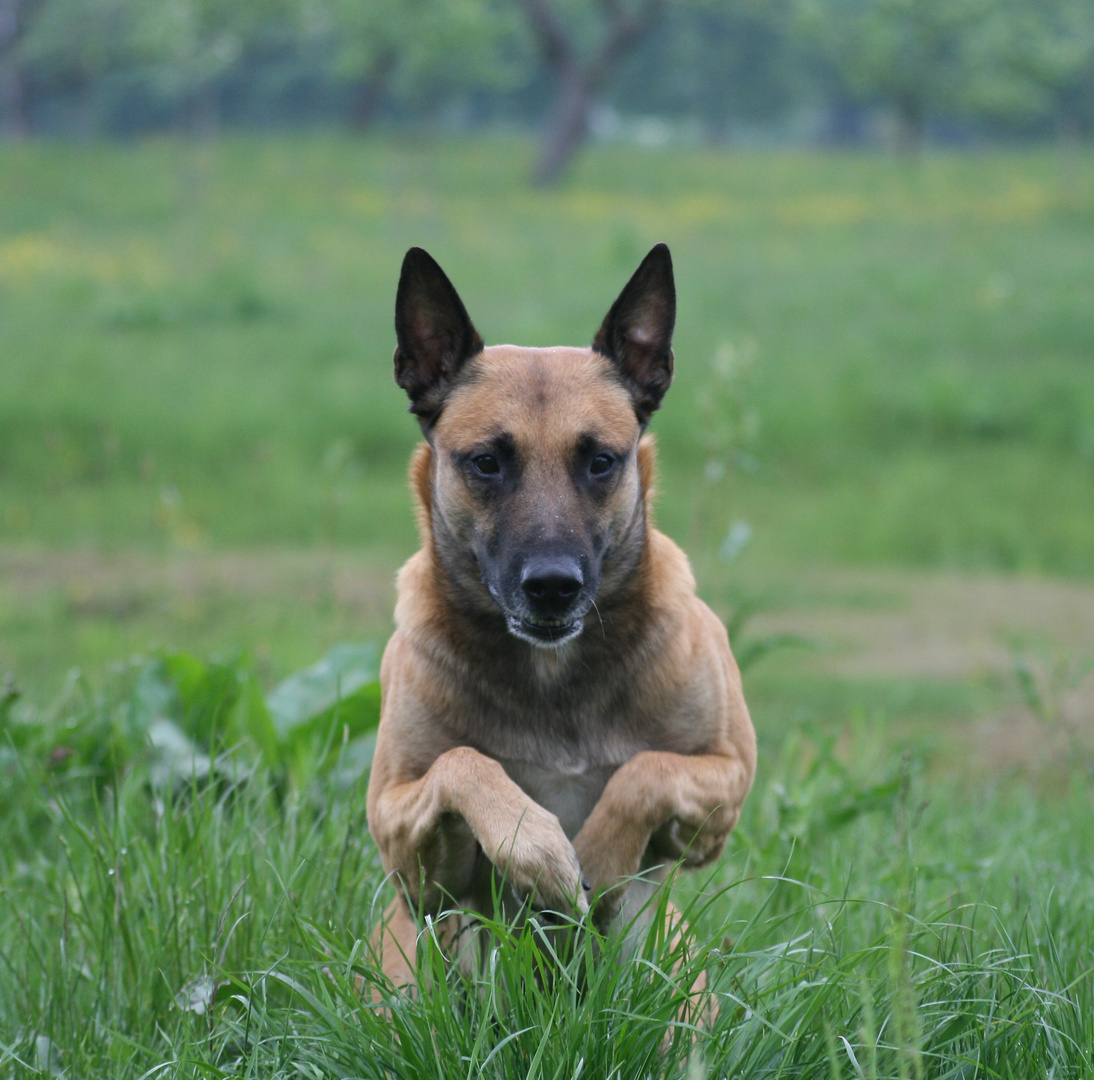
(562,719)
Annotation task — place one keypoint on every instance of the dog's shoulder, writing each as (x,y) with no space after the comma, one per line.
(669,578)
(696,671)
(414,601)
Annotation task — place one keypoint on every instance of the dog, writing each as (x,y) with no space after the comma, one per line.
(562,720)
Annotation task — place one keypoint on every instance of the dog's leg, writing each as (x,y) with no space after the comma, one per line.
(429,832)
(395,943)
(699,1007)
(680,806)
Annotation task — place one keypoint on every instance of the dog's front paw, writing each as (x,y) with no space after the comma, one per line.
(694,845)
(538,861)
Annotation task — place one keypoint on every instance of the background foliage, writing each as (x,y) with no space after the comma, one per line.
(830,69)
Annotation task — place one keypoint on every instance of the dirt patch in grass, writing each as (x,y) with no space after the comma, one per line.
(865,623)
(84,609)
(935,625)
(126,584)
(1033,636)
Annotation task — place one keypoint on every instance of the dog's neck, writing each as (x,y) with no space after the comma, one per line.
(553,664)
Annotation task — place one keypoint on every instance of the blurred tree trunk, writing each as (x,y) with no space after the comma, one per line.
(370,92)
(13,98)
(846,122)
(567,127)
(580,78)
(203,111)
(911,125)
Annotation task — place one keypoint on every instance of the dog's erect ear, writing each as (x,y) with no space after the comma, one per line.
(435,337)
(637,333)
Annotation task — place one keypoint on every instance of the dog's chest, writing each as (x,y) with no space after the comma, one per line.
(562,757)
(570,792)
(559,733)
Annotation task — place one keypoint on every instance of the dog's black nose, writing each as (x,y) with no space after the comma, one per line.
(551,584)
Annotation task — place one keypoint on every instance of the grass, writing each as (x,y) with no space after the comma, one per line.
(201,448)
(866,921)
(198,337)
(882,366)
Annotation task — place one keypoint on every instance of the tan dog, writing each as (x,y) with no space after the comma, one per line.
(561,713)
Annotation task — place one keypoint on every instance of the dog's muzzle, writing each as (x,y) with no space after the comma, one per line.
(553,601)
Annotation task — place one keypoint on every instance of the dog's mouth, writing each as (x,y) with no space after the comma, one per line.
(544,632)
(540,630)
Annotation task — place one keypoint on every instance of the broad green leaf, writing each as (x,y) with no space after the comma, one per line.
(175,757)
(340,688)
(207,692)
(154,696)
(252,719)
(352,762)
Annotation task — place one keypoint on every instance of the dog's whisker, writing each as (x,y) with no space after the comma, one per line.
(601,618)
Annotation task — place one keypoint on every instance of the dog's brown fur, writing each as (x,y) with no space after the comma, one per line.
(525,768)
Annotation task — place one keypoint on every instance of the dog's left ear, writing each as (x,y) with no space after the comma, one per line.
(434,333)
(636,334)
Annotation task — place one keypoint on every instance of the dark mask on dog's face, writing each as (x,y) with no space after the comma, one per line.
(536,504)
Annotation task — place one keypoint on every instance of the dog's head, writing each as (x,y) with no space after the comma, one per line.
(534,499)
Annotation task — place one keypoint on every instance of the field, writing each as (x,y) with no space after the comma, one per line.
(879,452)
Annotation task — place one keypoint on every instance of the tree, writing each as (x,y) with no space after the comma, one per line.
(1044,63)
(717,63)
(1013,59)
(72,44)
(911,54)
(189,45)
(1072,68)
(613,28)
(16,19)
(421,46)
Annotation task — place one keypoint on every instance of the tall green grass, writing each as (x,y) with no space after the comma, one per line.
(869,920)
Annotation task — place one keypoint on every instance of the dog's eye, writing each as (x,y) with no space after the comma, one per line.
(601,464)
(486,464)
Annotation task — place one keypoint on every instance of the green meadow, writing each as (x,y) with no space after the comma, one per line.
(878,451)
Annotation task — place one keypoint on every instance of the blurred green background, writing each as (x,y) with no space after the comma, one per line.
(879,450)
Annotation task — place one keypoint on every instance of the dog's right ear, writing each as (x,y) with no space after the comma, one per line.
(636,335)
(434,334)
